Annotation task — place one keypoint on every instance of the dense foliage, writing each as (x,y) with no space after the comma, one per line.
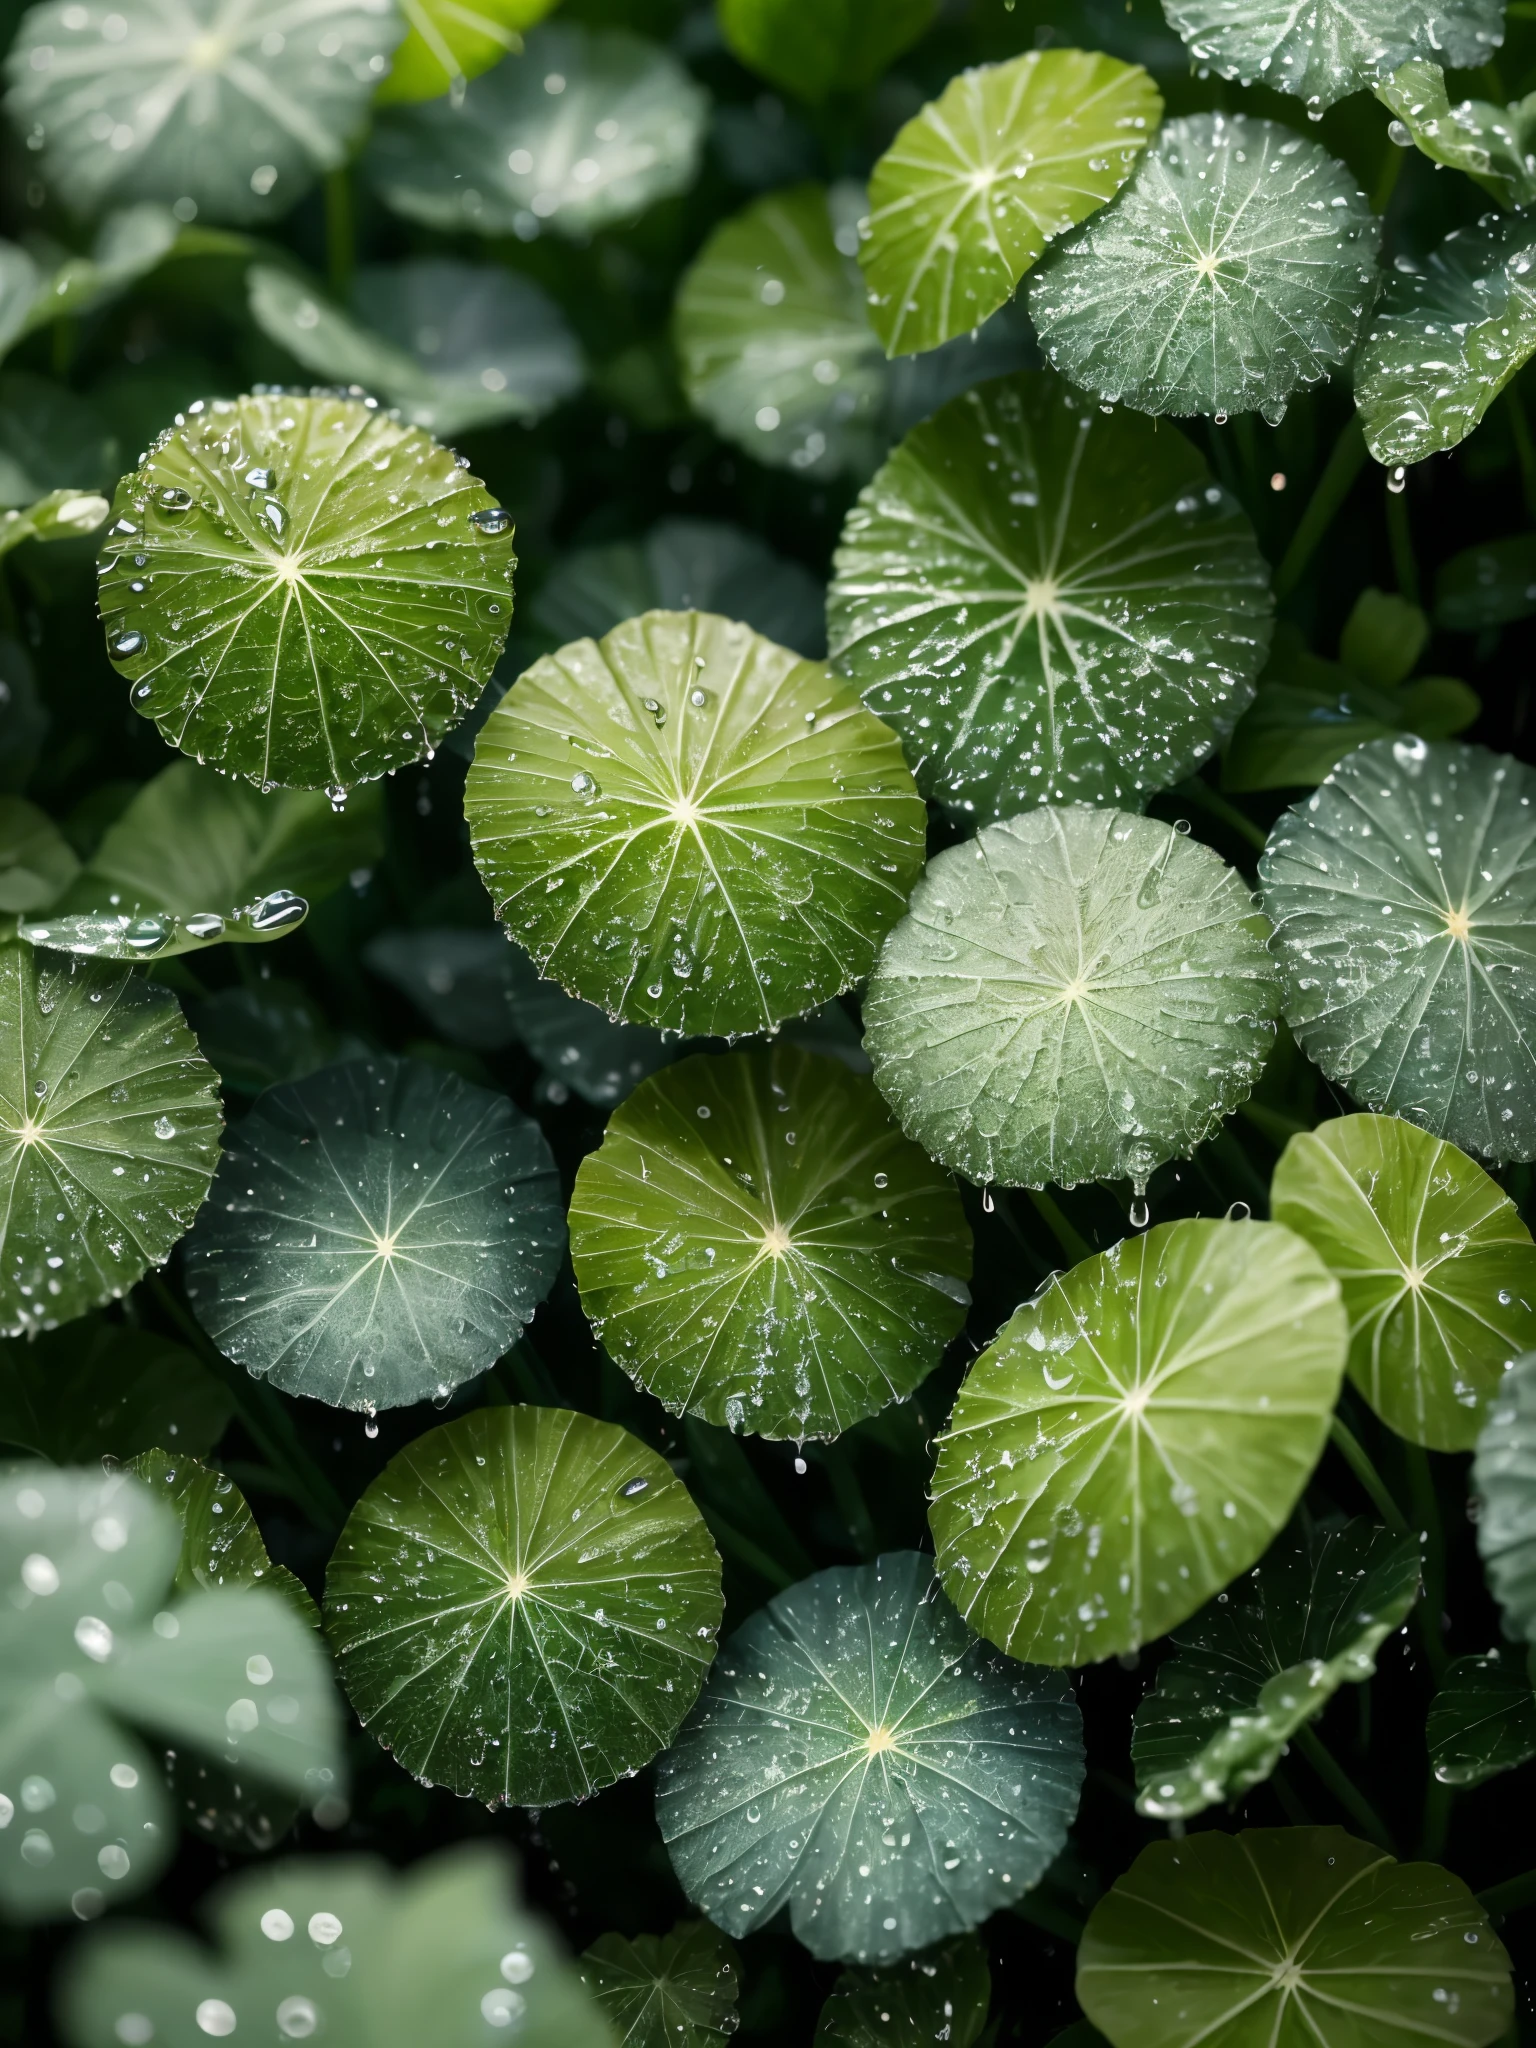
(767,1023)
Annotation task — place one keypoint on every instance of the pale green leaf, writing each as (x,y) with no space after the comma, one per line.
(1238,266)
(109,1123)
(1323,50)
(1005,159)
(1437,1269)
(1403,894)
(62,515)
(448,42)
(376,1234)
(1047,605)
(1073,995)
(345,584)
(523,1605)
(755,1242)
(850,1722)
(692,827)
(1136,1436)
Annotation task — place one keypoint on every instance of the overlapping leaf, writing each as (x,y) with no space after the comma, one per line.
(1135,1437)
(1438,1271)
(1073,995)
(1322,50)
(35,291)
(523,1605)
(758,1244)
(304,591)
(1402,894)
(691,827)
(1238,266)
(377,1233)
(36,861)
(859,1758)
(1048,606)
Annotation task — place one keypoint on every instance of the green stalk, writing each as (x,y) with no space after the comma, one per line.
(1510,1896)
(340,232)
(1400,540)
(266,1421)
(1354,1455)
(1343,1787)
(1073,1244)
(1333,487)
(1437,1820)
(1525,450)
(1431,1607)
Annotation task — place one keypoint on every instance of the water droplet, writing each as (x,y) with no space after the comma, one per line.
(174,499)
(633,1488)
(585,785)
(1141,1215)
(279,912)
(128,644)
(149,934)
(261,479)
(491,520)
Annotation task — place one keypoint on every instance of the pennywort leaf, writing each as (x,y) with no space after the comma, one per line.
(839,46)
(1182,1384)
(304,591)
(1047,605)
(1401,893)
(1482,1721)
(221,1544)
(691,827)
(377,1234)
(1491,144)
(851,1721)
(1504,1477)
(938,1997)
(448,42)
(967,196)
(1238,266)
(523,1605)
(1323,50)
(758,1244)
(674,1990)
(1075,994)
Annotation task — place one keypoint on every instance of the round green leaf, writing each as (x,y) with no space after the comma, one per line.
(1238,267)
(95,1390)
(235,109)
(773,336)
(1136,1436)
(691,827)
(109,1124)
(1005,159)
(684,565)
(377,1233)
(454,345)
(1048,605)
(836,46)
(1437,1269)
(939,1997)
(1403,894)
(220,1542)
(344,1949)
(448,42)
(1448,336)
(87,1641)
(676,1990)
(861,1759)
(1504,1480)
(1483,1719)
(1264,1659)
(304,590)
(1323,50)
(1073,995)
(549,1603)
(584,129)
(755,1242)
(1279,1936)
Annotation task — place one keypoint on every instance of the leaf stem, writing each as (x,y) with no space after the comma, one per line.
(1343,1787)
(340,253)
(1333,487)
(1072,1242)
(267,1422)
(1431,1607)
(1511,1896)
(1437,1820)
(1353,1452)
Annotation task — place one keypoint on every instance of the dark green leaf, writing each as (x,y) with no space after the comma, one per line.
(95,1389)
(1323,50)
(1504,1477)
(1383,638)
(940,1996)
(1483,1720)
(1491,585)
(220,1542)
(676,1990)
(36,861)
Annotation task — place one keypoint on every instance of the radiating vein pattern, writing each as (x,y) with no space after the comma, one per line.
(1238,266)
(1403,895)
(1437,1268)
(1135,1437)
(1049,606)
(109,1128)
(235,105)
(524,1605)
(378,1232)
(692,827)
(1291,1938)
(861,1759)
(304,591)
(1007,157)
(757,1243)
(1449,334)
(1073,995)
(1322,50)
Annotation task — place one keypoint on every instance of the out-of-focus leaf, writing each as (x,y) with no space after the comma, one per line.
(36,861)
(831,47)
(585,128)
(937,1999)
(35,290)
(448,42)
(1490,585)
(1482,1720)
(62,515)
(270,1032)
(50,440)
(1495,146)
(453,345)
(23,721)
(95,1389)
(1383,638)
(1504,1479)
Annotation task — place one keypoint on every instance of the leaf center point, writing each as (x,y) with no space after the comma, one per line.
(517,1585)
(1459,924)
(384,1244)
(880,1739)
(777,1242)
(685,811)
